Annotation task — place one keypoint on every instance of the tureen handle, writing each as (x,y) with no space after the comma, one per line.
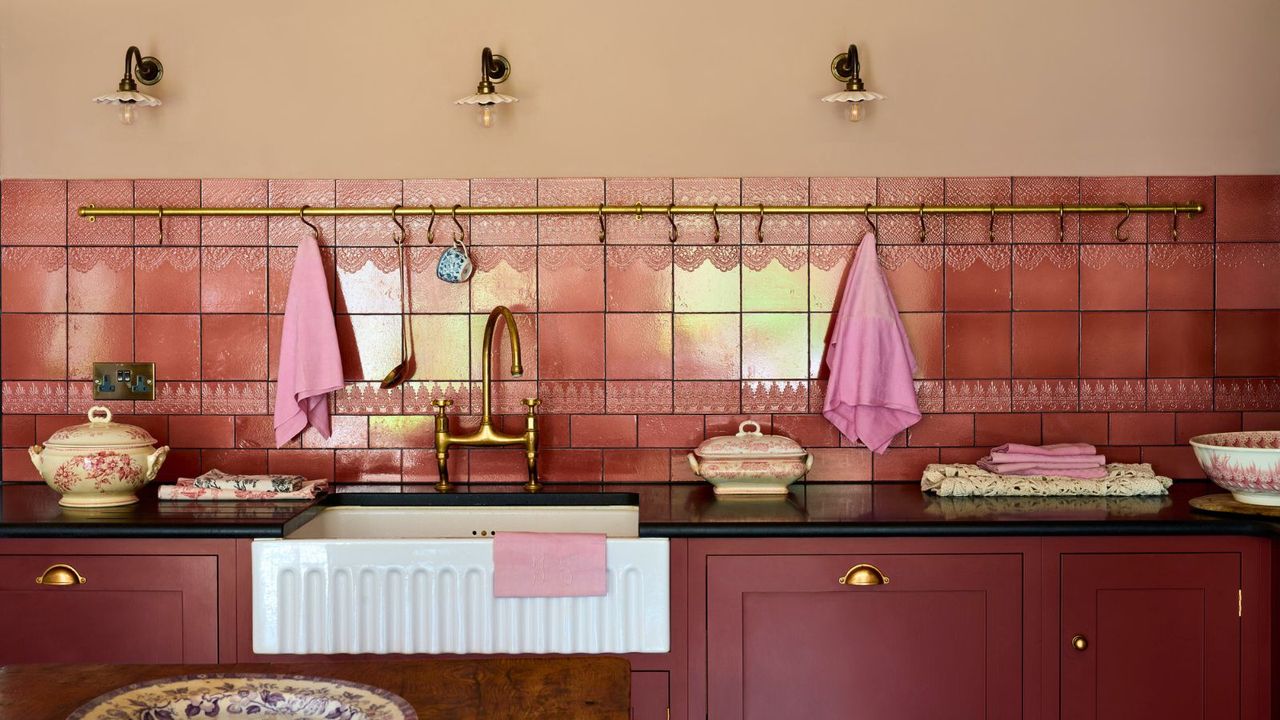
(742,429)
(693,463)
(36,457)
(99,414)
(154,460)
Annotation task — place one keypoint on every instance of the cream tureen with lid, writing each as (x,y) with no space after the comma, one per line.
(99,463)
(751,462)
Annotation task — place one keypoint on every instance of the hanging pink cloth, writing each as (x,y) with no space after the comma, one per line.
(870,395)
(310,363)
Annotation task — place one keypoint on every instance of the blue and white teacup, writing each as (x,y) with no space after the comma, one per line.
(455,264)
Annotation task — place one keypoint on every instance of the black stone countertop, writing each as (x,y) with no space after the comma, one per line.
(683,510)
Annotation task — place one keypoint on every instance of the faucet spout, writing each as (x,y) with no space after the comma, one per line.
(513,334)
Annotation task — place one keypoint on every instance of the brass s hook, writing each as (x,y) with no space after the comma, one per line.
(1174,231)
(991,226)
(866,215)
(1062,223)
(603,233)
(302,215)
(461,234)
(760,226)
(160,219)
(715,222)
(923,231)
(431,226)
(1115,233)
(674,233)
(399,237)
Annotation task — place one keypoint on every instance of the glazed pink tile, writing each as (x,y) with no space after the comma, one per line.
(908,192)
(1046,277)
(167,279)
(981,191)
(18,430)
(233,279)
(247,230)
(570,396)
(280,273)
(775,345)
(1099,227)
(1246,394)
(569,229)
(507,397)
(33,279)
(526,325)
(439,344)
(638,278)
(929,395)
(924,331)
(504,276)
(98,338)
(167,194)
(239,462)
(1044,227)
(1246,275)
(1061,395)
(35,212)
(172,342)
(1113,394)
(418,396)
(840,229)
(1260,420)
(681,431)
(915,274)
(1248,208)
(201,431)
(638,346)
(374,230)
(80,399)
(1247,342)
(603,430)
(809,430)
(707,346)
(172,397)
(1046,344)
(638,396)
(368,398)
(708,397)
(699,229)
(401,431)
(787,396)
(707,278)
(504,229)
(347,431)
(781,229)
(296,193)
(637,466)
(419,467)
(100,279)
(1180,343)
(978,277)
(103,230)
(840,465)
(1180,394)
(34,347)
(571,345)
(977,344)
(775,277)
(627,228)
(1113,277)
(977,396)
(37,397)
(820,329)
(370,345)
(730,424)
(233,347)
(570,466)
(828,266)
(991,430)
(571,279)
(427,293)
(1180,190)
(368,280)
(311,464)
(234,398)
(951,430)
(442,194)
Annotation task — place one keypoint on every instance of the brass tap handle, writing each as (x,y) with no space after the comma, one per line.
(1080,643)
(60,575)
(441,405)
(864,574)
(531,403)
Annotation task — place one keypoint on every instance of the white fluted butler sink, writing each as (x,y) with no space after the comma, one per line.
(419,579)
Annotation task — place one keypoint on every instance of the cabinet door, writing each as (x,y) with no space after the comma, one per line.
(941,639)
(1159,636)
(650,696)
(130,609)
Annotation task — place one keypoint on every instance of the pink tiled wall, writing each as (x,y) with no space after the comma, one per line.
(640,349)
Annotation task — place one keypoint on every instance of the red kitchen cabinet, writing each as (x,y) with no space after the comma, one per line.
(941,637)
(650,695)
(1153,635)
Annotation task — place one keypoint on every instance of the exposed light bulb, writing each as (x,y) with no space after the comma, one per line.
(487,114)
(126,113)
(855,111)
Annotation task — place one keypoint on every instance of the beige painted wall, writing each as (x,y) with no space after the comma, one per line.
(338,88)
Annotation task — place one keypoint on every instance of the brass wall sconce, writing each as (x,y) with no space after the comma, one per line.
(847,69)
(493,69)
(147,71)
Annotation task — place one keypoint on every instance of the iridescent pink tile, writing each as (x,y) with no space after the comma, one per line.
(571,396)
(368,280)
(707,346)
(778,396)
(507,396)
(280,273)
(915,274)
(775,277)
(80,399)
(237,462)
(1185,394)
(296,193)
(367,230)
(638,346)
(443,194)
(571,278)
(233,347)
(1043,227)
(504,276)
(35,212)
(637,466)
(100,279)
(976,396)
(629,229)
(904,229)
(1113,277)
(840,229)
(929,396)
(370,345)
(504,229)
(775,345)
(102,230)
(1246,274)
(367,467)
(233,193)
(638,278)
(1179,190)
(638,396)
(1060,395)
(400,431)
(569,229)
(173,397)
(840,465)
(171,341)
(1246,394)
(820,329)
(167,194)
(1099,227)
(570,466)
(526,325)
(427,293)
(233,279)
(708,396)
(978,277)
(418,396)
(311,464)
(419,467)
(699,229)
(1110,394)
(707,278)
(1248,208)
(978,191)
(1046,277)
(38,397)
(98,338)
(827,268)
(33,279)
(166,279)
(233,398)
(571,345)
(368,398)
(782,229)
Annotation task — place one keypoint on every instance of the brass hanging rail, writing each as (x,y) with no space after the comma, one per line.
(90,212)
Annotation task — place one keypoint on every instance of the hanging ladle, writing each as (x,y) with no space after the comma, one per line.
(400,372)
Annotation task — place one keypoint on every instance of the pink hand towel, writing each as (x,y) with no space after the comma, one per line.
(310,364)
(1094,473)
(871,395)
(1009,457)
(549,565)
(1060,449)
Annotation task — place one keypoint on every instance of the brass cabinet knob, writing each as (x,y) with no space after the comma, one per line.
(1080,642)
(60,575)
(864,574)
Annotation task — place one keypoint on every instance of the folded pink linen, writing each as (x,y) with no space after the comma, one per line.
(1093,473)
(1059,449)
(1015,466)
(308,490)
(549,565)
(310,363)
(1008,457)
(871,394)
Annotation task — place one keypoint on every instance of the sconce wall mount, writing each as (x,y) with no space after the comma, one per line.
(847,68)
(493,69)
(137,69)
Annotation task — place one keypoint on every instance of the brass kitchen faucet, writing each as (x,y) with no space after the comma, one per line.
(486,435)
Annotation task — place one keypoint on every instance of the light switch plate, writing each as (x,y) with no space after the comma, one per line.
(124,381)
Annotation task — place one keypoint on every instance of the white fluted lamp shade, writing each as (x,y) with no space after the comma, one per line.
(127,100)
(855,98)
(488,104)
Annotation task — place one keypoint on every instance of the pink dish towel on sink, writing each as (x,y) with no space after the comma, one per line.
(871,394)
(310,363)
(549,565)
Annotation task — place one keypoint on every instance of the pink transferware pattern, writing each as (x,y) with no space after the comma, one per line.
(750,462)
(1246,463)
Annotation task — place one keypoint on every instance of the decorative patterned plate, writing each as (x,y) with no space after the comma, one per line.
(242,696)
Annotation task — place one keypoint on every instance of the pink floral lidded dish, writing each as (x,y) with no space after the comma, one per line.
(750,463)
(99,463)
(1246,463)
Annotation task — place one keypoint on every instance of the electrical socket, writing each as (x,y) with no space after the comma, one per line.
(124,381)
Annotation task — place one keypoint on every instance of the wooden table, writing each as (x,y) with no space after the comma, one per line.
(526,688)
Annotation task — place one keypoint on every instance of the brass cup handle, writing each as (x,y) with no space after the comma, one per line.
(864,574)
(1080,642)
(60,575)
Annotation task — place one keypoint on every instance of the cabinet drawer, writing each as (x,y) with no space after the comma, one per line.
(129,609)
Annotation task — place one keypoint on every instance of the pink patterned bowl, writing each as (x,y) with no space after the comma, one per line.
(1246,463)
